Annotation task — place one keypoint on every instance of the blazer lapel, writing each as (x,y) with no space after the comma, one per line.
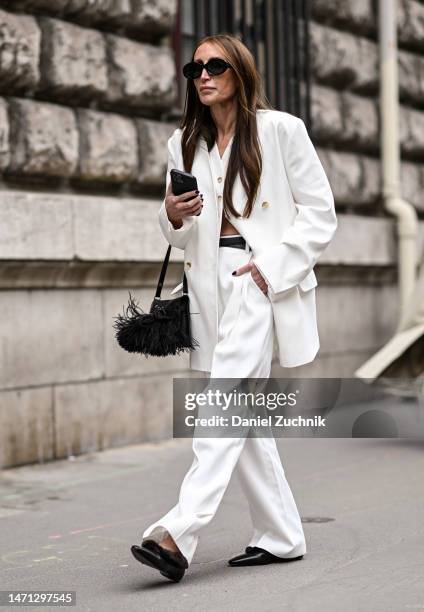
(239,195)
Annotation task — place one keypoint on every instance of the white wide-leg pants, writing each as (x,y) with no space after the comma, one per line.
(244,350)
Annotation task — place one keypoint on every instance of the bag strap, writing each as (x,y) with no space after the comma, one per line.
(162,276)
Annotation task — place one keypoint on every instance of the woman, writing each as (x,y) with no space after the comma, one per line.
(264,214)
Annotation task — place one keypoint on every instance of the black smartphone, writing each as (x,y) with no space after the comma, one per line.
(182,182)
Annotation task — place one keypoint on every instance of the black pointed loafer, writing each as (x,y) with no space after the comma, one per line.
(258,556)
(171,564)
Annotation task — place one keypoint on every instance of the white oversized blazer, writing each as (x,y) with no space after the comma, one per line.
(292,222)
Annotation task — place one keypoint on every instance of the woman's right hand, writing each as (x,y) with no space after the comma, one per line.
(178,207)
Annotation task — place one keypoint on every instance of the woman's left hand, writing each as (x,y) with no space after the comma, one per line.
(256,275)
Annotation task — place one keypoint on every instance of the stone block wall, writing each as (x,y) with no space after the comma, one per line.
(84,122)
(345,100)
(74,99)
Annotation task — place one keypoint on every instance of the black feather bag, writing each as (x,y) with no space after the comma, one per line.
(165,330)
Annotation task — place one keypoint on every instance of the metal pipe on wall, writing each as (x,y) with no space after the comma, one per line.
(407,223)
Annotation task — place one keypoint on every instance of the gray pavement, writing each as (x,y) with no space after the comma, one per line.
(69,525)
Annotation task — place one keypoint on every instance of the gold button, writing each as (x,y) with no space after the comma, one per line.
(188,264)
(265,204)
(219,179)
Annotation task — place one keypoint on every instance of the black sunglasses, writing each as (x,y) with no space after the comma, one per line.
(214,67)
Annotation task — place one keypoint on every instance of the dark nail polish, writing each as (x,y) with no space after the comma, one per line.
(197,191)
(234,273)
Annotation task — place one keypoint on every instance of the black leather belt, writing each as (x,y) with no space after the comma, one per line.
(238,242)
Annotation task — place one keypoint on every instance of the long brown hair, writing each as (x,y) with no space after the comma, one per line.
(197,121)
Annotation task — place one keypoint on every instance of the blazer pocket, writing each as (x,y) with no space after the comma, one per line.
(309,282)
